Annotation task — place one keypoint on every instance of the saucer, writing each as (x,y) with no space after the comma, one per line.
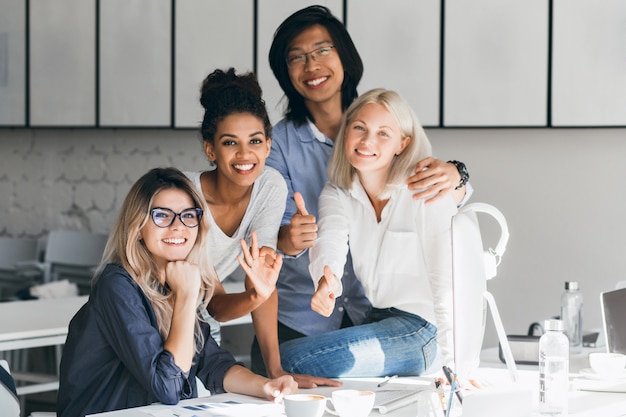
(591,374)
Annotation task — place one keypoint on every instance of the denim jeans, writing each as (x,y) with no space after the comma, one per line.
(285,333)
(391,342)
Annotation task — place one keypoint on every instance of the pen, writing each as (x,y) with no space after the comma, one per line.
(453,379)
(386,381)
(452,388)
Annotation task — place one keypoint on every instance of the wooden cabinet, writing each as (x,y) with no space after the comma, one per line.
(484,63)
(135,65)
(400,49)
(210,34)
(62,63)
(12,63)
(589,63)
(495,63)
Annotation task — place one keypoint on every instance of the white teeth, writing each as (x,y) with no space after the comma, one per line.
(174,241)
(317,81)
(245,167)
(365,153)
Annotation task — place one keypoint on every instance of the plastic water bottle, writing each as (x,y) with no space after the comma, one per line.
(553,370)
(572,316)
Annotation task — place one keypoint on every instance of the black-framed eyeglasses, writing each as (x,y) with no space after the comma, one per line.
(164,217)
(318,55)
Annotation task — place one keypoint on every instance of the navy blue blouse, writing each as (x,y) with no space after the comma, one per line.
(114,358)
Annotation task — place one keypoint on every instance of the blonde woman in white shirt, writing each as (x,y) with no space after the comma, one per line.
(401,250)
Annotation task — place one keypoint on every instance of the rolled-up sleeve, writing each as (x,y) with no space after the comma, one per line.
(213,363)
(331,246)
(126,319)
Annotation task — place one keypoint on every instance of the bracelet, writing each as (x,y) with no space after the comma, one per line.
(460,166)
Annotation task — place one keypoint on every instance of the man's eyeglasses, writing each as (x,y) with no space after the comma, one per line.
(318,55)
(164,217)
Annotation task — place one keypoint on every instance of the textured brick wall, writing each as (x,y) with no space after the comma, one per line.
(77,179)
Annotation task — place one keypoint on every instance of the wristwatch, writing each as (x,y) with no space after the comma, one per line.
(460,166)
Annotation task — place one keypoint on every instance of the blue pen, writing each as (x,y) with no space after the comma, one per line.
(452,388)
(452,377)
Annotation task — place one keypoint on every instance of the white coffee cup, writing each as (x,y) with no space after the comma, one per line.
(352,403)
(607,365)
(304,405)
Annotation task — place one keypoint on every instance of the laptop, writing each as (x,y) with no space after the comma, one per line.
(614,319)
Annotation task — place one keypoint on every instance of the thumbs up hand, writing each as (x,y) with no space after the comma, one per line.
(299,200)
(323,301)
(301,231)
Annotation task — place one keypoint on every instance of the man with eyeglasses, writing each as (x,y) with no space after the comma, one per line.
(318,68)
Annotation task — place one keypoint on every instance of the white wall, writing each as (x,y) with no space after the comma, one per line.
(562,193)
(561,190)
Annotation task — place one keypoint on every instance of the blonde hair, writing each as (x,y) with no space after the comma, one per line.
(341,172)
(124,246)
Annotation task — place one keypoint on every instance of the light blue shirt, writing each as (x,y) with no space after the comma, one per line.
(301,158)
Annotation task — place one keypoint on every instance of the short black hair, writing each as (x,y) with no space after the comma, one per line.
(225,93)
(291,27)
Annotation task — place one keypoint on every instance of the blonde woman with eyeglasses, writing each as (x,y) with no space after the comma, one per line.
(141,338)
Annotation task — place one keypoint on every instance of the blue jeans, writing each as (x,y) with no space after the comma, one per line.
(391,342)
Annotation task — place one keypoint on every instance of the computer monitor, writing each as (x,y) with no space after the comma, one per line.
(472,266)
(613,304)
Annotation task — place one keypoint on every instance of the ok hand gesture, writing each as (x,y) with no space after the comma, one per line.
(261,267)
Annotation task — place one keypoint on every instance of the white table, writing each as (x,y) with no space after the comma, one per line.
(581,403)
(36,323)
(163,410)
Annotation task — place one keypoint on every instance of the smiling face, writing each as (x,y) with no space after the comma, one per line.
(172,243)
(239,148)
(317,81)
(373,138)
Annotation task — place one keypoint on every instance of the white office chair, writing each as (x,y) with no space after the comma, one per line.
(13,251)
(9,402)
(472,266)
(69,254)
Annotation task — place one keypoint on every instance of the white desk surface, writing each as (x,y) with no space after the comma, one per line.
(33,323)
(169,411)
(581,403)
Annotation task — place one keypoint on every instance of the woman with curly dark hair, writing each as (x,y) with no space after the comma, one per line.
(246,201)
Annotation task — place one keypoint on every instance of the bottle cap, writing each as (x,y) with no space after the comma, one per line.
(571,285)
(553,324)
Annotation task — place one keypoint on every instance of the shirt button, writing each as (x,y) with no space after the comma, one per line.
(345,300)
(340,309)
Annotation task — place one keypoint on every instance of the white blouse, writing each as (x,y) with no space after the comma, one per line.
(403,261)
